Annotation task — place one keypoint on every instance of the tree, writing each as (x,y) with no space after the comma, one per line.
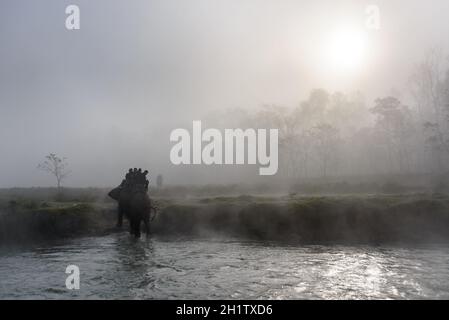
(326,144)
(394,125)
(429,89)
(281,118)
(55,166)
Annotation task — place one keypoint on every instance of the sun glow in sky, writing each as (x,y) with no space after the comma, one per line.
(347,50)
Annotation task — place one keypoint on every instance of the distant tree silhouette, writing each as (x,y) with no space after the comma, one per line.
(430,90)
(394,125)
(55,166)
(326,144)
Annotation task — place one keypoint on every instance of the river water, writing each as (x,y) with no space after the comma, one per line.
(118,267)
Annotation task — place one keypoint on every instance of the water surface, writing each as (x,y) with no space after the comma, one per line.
(117,267)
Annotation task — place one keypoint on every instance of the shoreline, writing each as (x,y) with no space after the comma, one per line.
(352,219)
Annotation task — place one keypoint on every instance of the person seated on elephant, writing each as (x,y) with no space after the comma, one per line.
(136,178)
(133,177)
(129,174)
(147,182)
(127,181)
(141,178)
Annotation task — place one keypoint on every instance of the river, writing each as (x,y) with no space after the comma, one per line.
(116,266)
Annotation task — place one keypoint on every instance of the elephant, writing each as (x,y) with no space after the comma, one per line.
(135,204)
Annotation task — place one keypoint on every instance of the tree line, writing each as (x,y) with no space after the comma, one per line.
(335,134)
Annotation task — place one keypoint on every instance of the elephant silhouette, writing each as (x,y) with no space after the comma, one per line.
(135,204)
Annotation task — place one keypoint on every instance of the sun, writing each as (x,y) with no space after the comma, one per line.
(346,50)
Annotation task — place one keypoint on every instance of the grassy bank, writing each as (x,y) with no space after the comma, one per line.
(28,221)
(385,218)
(354,219)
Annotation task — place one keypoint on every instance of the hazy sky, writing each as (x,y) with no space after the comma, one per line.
(107,96)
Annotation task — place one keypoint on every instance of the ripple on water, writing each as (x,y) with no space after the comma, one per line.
(116,266)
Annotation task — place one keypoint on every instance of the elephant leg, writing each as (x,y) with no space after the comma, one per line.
(146,221)
(120,216)
(137,228)
(132,227)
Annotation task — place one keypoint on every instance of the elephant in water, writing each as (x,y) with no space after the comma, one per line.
(135,204)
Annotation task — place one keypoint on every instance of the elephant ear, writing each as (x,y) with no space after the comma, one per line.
(115,193)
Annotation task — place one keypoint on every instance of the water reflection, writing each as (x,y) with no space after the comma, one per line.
(116,266)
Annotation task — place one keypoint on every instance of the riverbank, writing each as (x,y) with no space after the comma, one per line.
(21,223)
(352,218)
(409,218)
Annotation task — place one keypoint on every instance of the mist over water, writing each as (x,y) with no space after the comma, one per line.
(116,266)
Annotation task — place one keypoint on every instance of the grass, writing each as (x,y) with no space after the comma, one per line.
(26,221)
(352,218)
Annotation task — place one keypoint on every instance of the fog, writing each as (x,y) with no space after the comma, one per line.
(107,96)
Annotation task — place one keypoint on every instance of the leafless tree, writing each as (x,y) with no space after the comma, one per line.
(326,143)
(429,88)
(55,166)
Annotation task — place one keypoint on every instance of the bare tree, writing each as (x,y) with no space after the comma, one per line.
(429,91)
(326,142)
(55,166)
(394,125)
